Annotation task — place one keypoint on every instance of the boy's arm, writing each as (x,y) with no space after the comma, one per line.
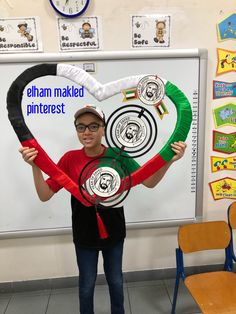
(43,190)
(152,181)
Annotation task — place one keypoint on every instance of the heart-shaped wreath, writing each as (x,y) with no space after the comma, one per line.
(100,92)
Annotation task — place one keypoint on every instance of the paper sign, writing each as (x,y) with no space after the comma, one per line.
(222,163)
(226,61)
(20,35)
(225,115)
(79,34)
(223,188)
(149,31)
(224,143)
(223,89)
(226,29)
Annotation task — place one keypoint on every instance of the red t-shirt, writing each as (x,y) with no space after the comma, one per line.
(84,220)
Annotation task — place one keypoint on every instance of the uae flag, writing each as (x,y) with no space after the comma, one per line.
(161,109)
(130,94)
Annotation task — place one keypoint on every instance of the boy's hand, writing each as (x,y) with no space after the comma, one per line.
(28,154)
(179,149)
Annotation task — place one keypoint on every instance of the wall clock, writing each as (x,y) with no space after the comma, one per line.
(70,8)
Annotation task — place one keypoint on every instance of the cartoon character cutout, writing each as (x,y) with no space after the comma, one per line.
(86,31)
(24,30)
(228,60)
(229,30)
(226,113)
(221,165)
(224,186)
(160,32)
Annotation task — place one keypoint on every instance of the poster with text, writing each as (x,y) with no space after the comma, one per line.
(226,29)
(150,31)
(80,34)
(20,35)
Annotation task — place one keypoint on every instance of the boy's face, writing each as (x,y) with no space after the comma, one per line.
(89,139)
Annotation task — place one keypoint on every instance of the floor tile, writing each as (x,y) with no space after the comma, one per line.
(28,304)
(65,290)
(63,301)
(185,302)
(32,293)
(102,300)
(67,301)
(3,303)
(145,283)
(149,299)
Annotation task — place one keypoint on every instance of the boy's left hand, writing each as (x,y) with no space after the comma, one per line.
(179,149)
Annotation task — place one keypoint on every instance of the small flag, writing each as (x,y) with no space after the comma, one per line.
(130,94)
(161,109)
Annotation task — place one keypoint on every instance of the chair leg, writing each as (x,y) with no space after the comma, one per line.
(179,274)
(175,294)
(229,258)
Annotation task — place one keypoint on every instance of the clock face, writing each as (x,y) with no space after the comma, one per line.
(70,8)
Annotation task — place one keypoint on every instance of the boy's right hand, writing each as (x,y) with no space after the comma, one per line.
(28,154)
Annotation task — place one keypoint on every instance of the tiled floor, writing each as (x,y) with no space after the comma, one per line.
(146,297)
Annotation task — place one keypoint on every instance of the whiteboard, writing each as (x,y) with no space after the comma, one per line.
(175,200)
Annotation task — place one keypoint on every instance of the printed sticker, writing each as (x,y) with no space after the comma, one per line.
(226,61)
(79,34)
(223,89)
(226,29)
(223,188)
(224,143)
(222,163)
(150,31)
(20,35)
(225,115)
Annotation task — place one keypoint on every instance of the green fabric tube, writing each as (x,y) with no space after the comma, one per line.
(184,119)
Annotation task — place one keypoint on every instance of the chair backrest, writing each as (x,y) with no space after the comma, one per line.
(232,215)
(204,236)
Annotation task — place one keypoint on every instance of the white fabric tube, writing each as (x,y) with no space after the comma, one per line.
(98,90)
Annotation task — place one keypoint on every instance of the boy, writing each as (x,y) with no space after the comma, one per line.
(90,123)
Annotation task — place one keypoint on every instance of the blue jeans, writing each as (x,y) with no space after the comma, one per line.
(87,260)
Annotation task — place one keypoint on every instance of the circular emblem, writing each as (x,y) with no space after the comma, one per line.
(104,182)
(130,131)
(151,90)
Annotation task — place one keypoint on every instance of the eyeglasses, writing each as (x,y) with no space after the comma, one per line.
(93,127)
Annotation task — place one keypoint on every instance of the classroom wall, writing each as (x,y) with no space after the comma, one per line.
(193,26)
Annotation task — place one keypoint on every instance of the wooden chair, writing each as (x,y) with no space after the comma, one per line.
(232,225)
(214,292)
